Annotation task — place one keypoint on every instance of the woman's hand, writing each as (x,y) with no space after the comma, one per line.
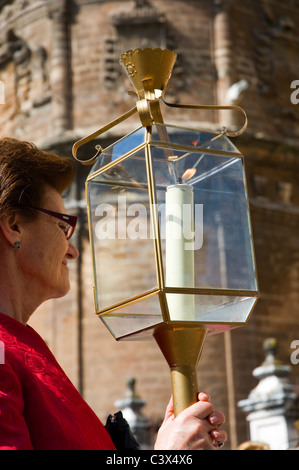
(195,428)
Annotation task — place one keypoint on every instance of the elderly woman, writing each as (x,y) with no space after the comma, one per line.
(39,406)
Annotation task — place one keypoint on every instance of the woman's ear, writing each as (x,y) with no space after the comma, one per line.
(10,228)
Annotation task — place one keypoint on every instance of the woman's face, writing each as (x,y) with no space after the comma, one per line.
(45,251)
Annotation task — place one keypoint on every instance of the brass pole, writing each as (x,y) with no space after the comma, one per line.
(181,345)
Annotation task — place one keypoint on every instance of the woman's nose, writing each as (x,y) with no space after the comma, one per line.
(72,252)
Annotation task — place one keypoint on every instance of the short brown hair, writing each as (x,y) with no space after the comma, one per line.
(24,172)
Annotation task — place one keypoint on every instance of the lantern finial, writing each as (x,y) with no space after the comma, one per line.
(148,64)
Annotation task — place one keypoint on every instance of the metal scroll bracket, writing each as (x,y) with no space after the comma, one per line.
(96,134)
(149,113)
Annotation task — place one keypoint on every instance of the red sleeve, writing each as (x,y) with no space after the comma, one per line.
(14,433)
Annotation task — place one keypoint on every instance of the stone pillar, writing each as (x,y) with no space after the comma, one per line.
(272,406)
(60,74)
(228,89)
(223,48)
(131,406)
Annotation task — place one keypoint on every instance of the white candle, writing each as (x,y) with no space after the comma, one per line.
(179,259)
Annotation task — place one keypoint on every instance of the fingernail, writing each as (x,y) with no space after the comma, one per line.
(213,420)
(215,435)
(203,396)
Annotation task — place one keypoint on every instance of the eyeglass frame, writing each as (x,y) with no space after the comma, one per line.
(71,220)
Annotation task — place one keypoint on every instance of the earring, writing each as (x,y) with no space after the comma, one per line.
(16,245)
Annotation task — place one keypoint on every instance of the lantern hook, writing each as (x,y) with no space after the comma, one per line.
(96,134)
(215,108)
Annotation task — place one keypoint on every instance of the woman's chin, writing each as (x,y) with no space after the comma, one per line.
(61,292)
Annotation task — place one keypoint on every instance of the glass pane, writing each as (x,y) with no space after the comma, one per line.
(210,308)
(192,138)
(135,317)
(214,220)
(223,308)
(225,259)
(123,249)
(204,225)
(120,148)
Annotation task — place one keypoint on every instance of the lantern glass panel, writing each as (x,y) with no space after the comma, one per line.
(120,148)
(213,248)
(123,250)
(134,317)
(194,139)
(221,237)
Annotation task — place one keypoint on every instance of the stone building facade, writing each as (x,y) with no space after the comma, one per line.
(60,80)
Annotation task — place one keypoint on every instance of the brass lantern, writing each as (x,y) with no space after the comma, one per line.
(169,228)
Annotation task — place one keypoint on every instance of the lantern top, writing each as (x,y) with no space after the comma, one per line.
(149,71)
(148,64)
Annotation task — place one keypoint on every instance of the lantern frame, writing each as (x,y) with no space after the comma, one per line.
(162,289)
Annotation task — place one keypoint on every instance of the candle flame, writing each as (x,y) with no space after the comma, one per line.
(189,173)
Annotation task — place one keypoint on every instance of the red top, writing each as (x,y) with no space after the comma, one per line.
(40,409)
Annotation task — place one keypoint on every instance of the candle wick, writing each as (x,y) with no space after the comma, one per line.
(179,180)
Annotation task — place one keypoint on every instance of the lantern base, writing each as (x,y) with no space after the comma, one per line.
(181,345)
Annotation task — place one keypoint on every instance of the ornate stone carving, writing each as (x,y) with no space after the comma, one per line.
(14,49)
(10,9)
(284,192)
(30,71)
(40,92)
(273,28)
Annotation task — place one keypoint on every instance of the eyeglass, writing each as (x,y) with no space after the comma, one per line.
(70,221)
